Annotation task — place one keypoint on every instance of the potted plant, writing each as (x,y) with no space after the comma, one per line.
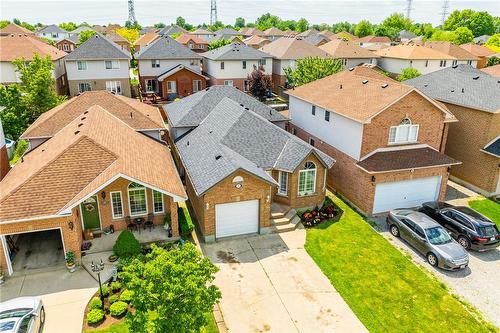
(70,261)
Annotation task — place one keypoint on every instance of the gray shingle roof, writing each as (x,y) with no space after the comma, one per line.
(52,29)
(192,110)
(235,51)
(405,34)
(166,47)
(227,32)
(171,30)
(232,139)
(493,147)
(80,29)
(461,85)
(98,47)
(316,39)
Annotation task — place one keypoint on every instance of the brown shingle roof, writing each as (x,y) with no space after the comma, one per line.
(373,39)
(342,49)
(492,70)
(292,48)
(134,113)
(255,40)
(147,38)
(185,38)
(24,46)
(412,52)
(274,32)
(358,94)
(477,50)
(451,49)
(13,28)
(116,38)
(405,159)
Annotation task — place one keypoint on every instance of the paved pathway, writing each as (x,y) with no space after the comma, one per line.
(270,284)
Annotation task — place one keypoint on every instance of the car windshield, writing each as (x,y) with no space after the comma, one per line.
(14,313)
(488,231)
(437,236)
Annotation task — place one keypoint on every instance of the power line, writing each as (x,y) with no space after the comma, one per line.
(131,12)
(444,13)
(213,12)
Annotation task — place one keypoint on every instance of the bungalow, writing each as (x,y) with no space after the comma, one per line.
(145,40)
(256,41)
(481,52)
(52,32)
(373,43)
(462,56)
(274,33)
(194,43)
(349,53)
(85,179)
(170,69)
(98,64)
(317,39)
(231,64)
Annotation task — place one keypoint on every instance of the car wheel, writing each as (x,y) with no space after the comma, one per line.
(394,231)
(432,259)
(464,242)
(42,315)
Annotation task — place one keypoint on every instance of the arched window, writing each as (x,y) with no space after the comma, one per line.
(405,132)
(307,179)
(138,203)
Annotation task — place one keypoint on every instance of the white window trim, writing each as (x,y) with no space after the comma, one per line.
(113,87)
(396,142)
(229,81)
(154,63)
(314,183)
(162,203)
(145,196)
(152,85)
(195,84)
(86,83)
(280,173)
(82,62)
(112,62)
(112,205)
(172,84)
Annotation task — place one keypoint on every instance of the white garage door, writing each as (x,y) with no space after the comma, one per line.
(405,194)
(236,218)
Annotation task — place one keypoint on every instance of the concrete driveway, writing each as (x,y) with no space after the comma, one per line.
(270,284)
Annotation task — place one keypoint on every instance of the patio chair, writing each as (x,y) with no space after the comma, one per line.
(130,225)
(149,222)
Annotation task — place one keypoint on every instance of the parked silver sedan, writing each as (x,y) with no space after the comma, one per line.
(429,238)
(22,315)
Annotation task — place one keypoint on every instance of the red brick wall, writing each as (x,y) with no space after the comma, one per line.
(4,162)
(237,82)
(184,81)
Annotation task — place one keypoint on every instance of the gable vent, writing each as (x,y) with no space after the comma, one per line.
(365,81)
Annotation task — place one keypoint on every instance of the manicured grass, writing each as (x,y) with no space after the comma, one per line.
(488,208)
(383,287)
(211,327)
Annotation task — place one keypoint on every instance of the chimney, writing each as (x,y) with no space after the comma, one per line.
(4,158)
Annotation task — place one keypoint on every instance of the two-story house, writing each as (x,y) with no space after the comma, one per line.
(17,46)
(52,32)
(462,56)
(231,64)
(170,69)
(349,53)
(474,99)
(98,64)
(388,138)
(395,59)
(193,42)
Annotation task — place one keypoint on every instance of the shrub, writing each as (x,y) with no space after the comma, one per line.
(96,303)
(116,286)
(126,295)
(408,73)
(185,222)
(95,316)
(118,308)
(105,290)
(126,245)
(112,299)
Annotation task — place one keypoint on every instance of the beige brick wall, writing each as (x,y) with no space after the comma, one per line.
(99,85)
(466,138)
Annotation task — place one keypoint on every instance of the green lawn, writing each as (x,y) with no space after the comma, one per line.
(383,287)
(488,208)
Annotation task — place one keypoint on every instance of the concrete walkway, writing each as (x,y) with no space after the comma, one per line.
(270,284)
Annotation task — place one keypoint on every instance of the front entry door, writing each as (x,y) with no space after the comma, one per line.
(90,213)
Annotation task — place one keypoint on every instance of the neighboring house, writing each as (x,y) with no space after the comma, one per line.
(172,30)
(5,152)
(343,35)
(395,59)
(68,44)
(317,39)
(145,40)
(226,33)
(194,43)
(233,176)
(285,52)
(309,32)
(256,41)
(349,53)
(329,34)
(248,32)
(473,97)
(231,64)
(52,32)
(290,32)
(170,69)
(373,43)
(98,64)
(111,28)
(13,28)
(85,178)
(481,40)
(17,46)
(204,34)
(388,138)
(405,36)
(492,70)
(481,52)
(79,30)
(274,33)
(122,42)
(461,56)
(99,28)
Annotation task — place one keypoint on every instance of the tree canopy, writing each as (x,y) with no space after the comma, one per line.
(311,69)
(260,82)
(239,23)
(480,23)
(408,73)
(85,35)
(363,28)
(215,44)
(68,26)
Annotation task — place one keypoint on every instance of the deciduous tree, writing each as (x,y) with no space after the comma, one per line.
(302,25)
(463,35)
(311,69)
(85,35)
(363,28)
(480,23)
(218,43)
(393,24)
(260,82)
(239,23)
(68,26)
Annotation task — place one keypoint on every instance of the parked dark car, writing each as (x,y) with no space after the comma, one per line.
(471,230)
(428,238)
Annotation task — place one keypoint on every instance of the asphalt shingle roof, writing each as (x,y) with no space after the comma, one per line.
(461,85)
(51,29)
(493,147)
(172,30)
(235,51)
(98,47)
(192,110)
(232,139)
(316,39)
(166,47)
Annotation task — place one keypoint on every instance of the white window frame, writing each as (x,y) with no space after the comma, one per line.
(222,65)
(196,85)
(262,62)
(113,205)
(282,176)
(307,173)
(115,64)
(114,86)
(244,64)
(86,84)
(82,65)
(396,133)
(155,63)
(155,89)
(246,85)
(171,87)
(229,83)
(134,189)
(161,201)
(66,47)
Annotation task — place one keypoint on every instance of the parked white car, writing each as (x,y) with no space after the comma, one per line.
(22,315)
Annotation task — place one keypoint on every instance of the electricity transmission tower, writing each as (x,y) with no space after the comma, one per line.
(213,12)
(444,13)
(131,12)
(408,8)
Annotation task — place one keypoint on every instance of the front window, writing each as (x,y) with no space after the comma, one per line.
(151,85)
(117,204)
(244,64)
(222,65)
(137,199)
(437,235)
(313,110)
(196,85)
(81,65)
(405,132)
(157,202)
(112,64)
(114,86)
(84,86)
(66,47)
(228,83)
(283,183)
(327,115)
(262,62)
(307,179)
(442,63)
(155,63)
(171,87)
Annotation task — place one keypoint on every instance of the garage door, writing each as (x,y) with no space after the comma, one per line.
(405,194)
(236,218)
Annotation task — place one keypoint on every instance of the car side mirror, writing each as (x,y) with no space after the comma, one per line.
(34,314)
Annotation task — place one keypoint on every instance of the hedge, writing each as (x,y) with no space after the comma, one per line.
(95,316)
(185,222)
(96,303)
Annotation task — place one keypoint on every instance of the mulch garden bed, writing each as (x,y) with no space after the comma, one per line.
(327,213)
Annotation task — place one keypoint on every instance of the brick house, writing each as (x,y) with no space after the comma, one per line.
(68,44)
(234,176)
(473,97)
(85,177)
(349,53)
(193,42)
(388,138)
(231,64)
(169,69)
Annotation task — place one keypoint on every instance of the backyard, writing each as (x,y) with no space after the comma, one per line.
(384,288)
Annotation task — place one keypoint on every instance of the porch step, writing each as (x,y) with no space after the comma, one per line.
(285,218)
(289,226)
(277,215)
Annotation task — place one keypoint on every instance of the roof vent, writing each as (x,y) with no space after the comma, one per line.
(475,77)
(83,118)
(187,144)
(80,124)
(22,159)
(242,105)
(247,109)
(340,86)
(365,81)
(131,115)
(77,132)
(385,85)
(218,157)
(463,90)
(351,69)
(210,132)
(452,90)
(206,89)
(454,66)
(86,112)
